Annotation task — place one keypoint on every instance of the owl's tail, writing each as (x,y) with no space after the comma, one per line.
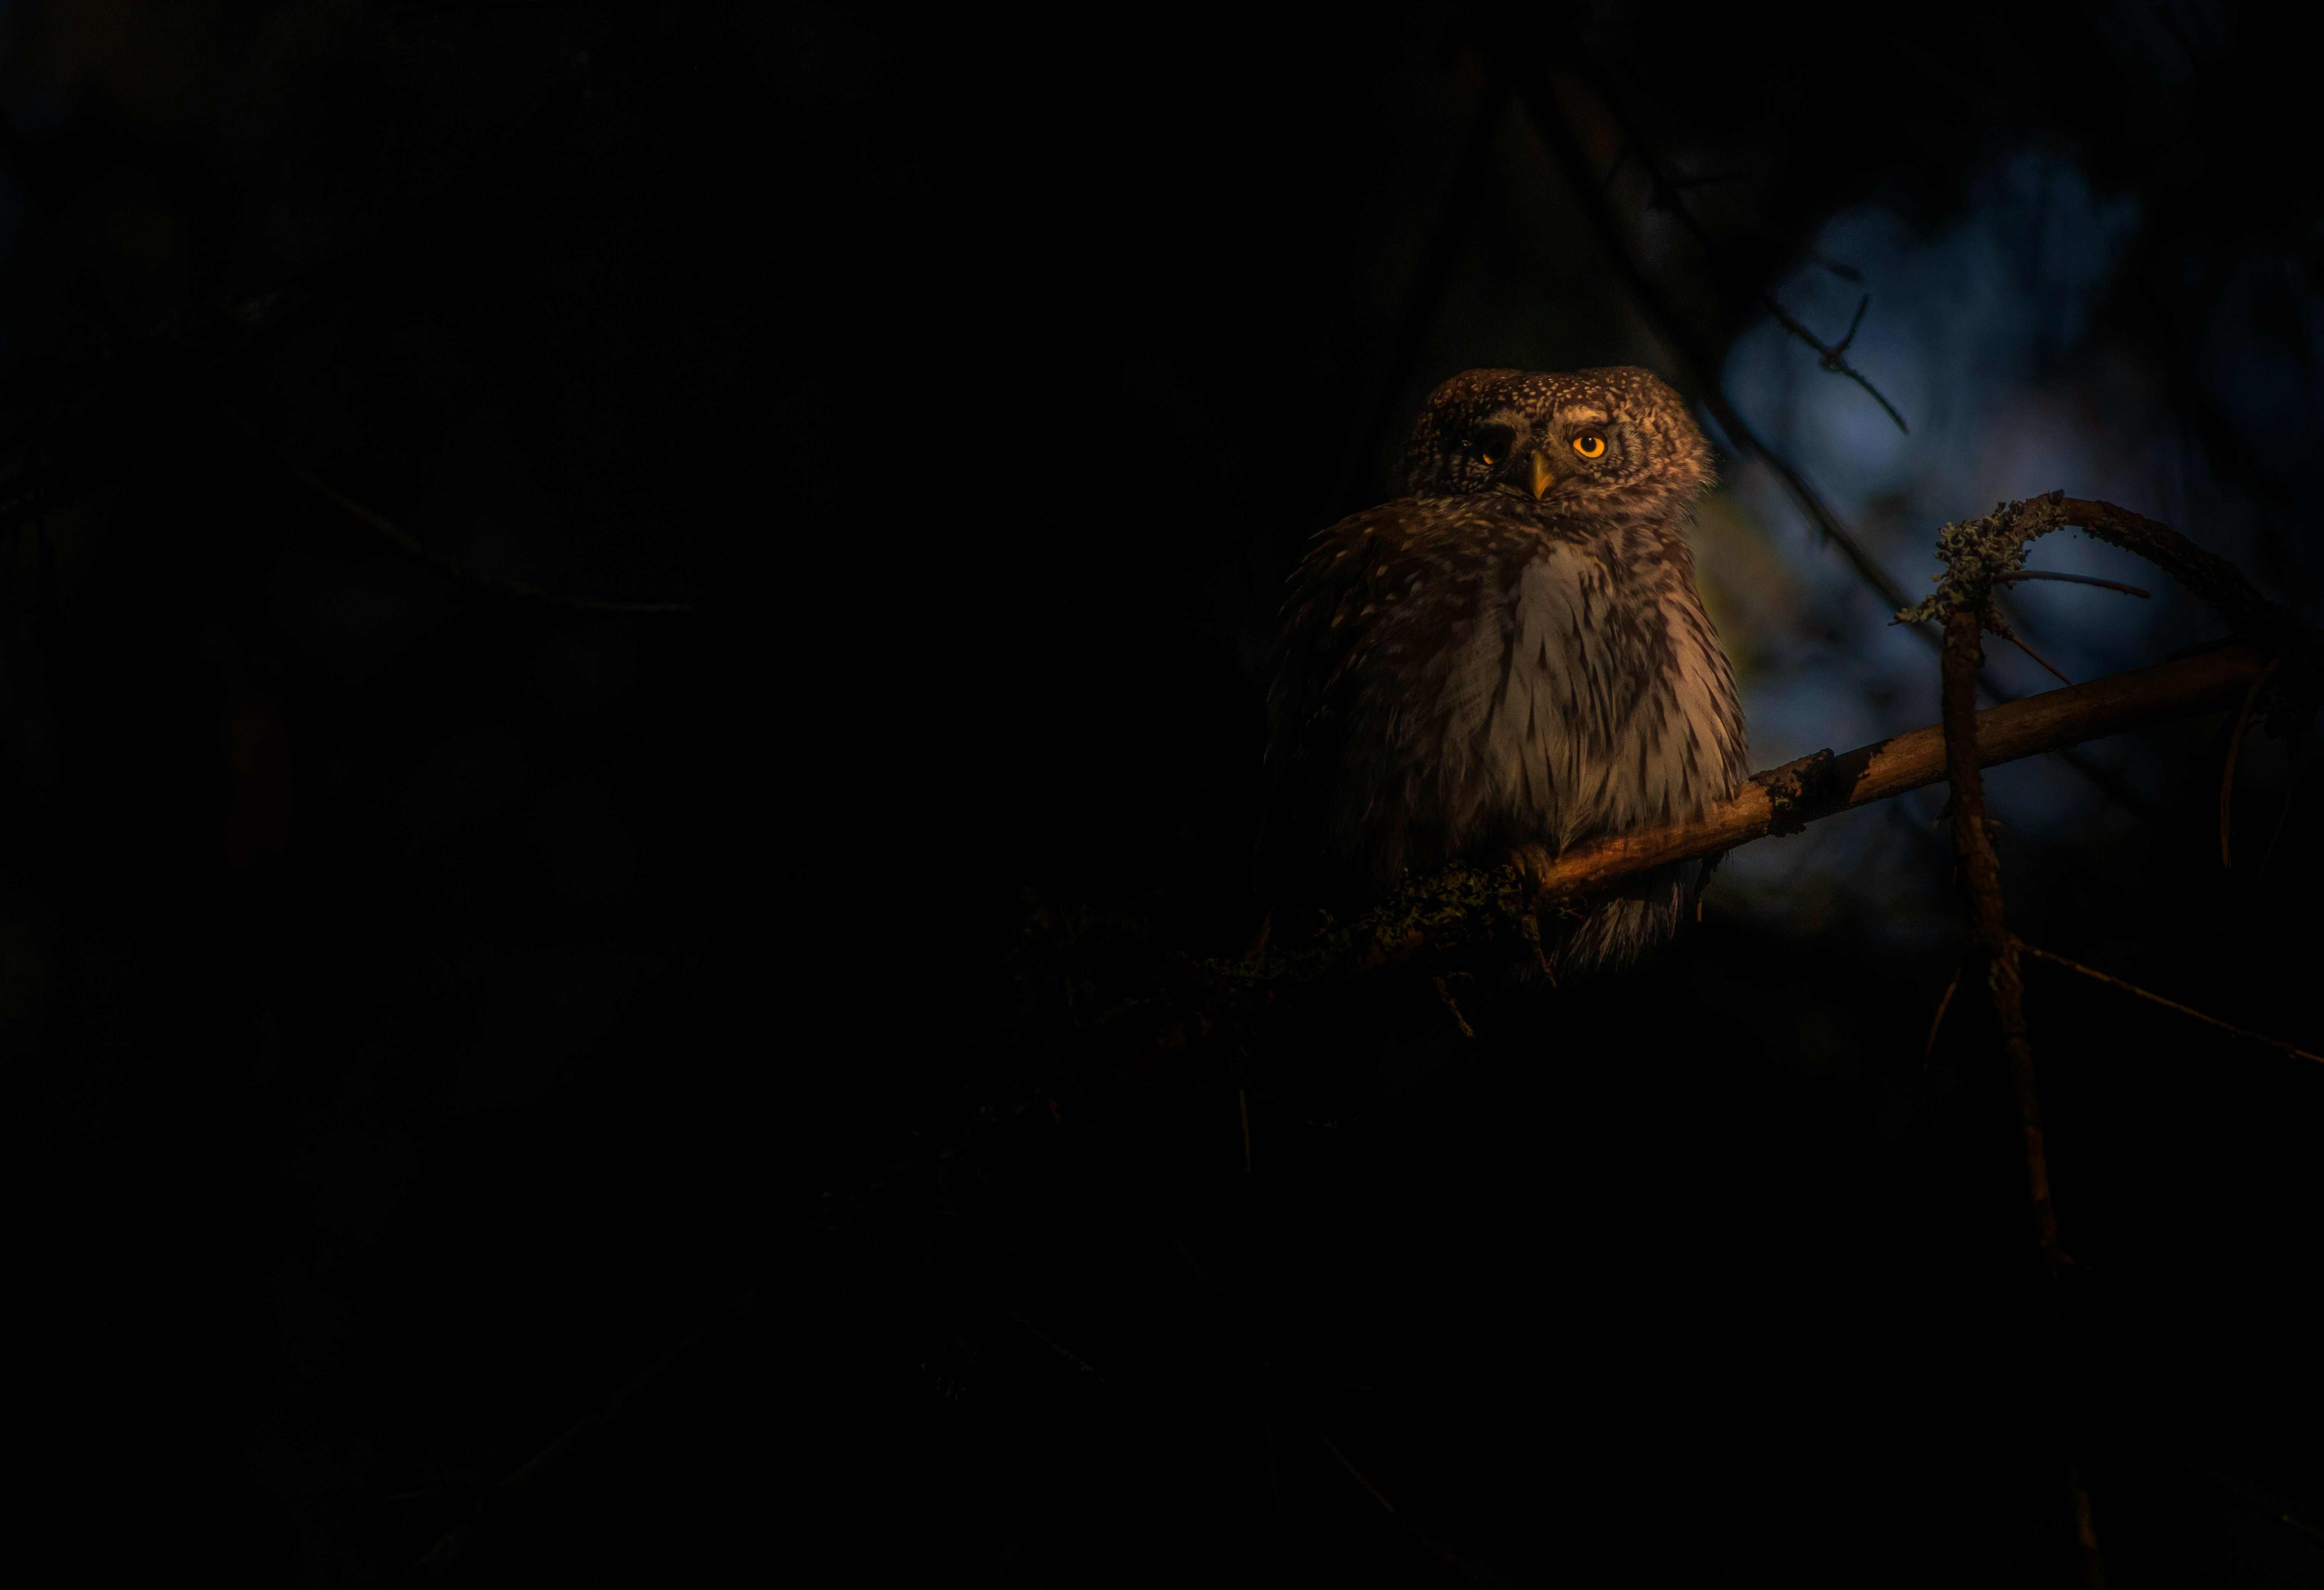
(1645,915)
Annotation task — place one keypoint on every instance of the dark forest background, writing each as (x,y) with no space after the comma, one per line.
(426,1004)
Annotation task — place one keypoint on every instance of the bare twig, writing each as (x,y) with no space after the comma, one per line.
(2228,777)
(552,1463)
(2068,579)
(1475,1573)
(1445,994)
(1432,278)
(2220,585)
(1981,871)
(2055,671)
(2290,1049)
(1943,1005)
(1668,195)
(1532,86)
(1355,1474)
(1833,359)
(443,562)
(2284,811)
(2297,1526)
(1059,1348)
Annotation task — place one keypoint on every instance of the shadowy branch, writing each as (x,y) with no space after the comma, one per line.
(1979,557)
(2070,579)
(1474,1572)
(1833,359)
(2025,949)
(1980,872)
(443,562)
(1531,84)
(1432,278)
(1669,196)
(2227,775)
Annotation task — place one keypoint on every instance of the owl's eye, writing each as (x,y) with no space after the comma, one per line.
(1590,445)
(1492,444)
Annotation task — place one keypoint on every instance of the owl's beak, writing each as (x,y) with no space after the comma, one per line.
(1543,477)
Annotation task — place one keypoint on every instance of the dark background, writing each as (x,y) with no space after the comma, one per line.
(424,1005)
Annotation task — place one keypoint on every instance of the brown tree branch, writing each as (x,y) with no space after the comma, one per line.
(2291,1049)
(1783,800)
(1980,865)
(1981,872)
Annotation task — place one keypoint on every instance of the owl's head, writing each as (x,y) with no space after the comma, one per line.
(1595,441)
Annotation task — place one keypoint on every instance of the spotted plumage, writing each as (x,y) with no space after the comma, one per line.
(1512,655)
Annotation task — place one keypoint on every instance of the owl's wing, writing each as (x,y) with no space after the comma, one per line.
(1323,756)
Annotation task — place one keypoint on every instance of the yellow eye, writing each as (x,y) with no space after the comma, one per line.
(1590,445)
(1486,457)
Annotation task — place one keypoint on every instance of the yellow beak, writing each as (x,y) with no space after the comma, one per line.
(1543,477)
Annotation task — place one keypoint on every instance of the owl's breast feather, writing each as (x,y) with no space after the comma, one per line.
(1459,676)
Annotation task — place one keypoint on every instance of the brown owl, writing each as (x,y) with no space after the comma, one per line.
(1511,656)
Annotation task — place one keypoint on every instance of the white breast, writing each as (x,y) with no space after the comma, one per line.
(1591,697)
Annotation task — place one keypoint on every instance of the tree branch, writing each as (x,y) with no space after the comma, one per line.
(442,562)
(1785,799)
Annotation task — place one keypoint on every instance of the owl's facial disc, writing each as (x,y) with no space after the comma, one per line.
(1533,455)
(1588,442)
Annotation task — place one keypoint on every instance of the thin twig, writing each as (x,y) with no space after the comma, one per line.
(553,1463)
(1355,1474)
(1981,871)
(443,562)
(1475,1573)
(2290,782)
(1445,994)
(2038,657)
(1060,1349)
(1943,1005)
(2290,1049)
(1668,195)
(2069,580)
(1833,358)
(2227,777)
(2299,1526)
(1533,87)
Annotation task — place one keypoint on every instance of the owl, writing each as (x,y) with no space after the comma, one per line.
(1510,658)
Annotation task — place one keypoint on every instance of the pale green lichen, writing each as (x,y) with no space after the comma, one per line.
(1976,554)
